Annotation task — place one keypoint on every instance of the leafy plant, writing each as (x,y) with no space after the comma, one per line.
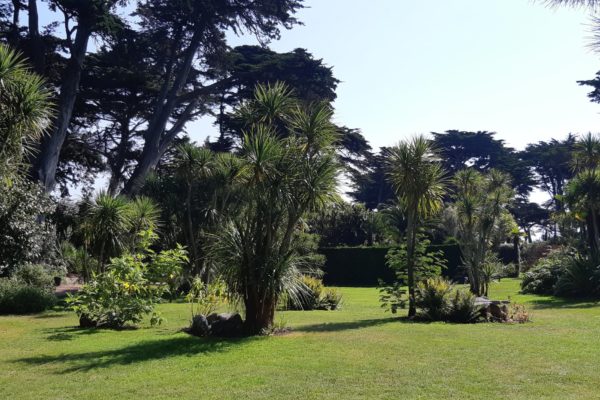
(314,296)
(579,278)
(23,237)
(19,298)
(544,275)
(129,288)
(433,300)
(463,308)
(35,275)
(426,264)
(24,112)
(205,298)
(392,297)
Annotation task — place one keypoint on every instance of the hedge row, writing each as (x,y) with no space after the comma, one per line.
(365,266)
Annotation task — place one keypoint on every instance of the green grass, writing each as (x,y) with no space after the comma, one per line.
(359,352)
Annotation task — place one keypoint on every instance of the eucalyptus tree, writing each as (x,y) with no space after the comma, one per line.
(481,200)
(289,170)
(419,182)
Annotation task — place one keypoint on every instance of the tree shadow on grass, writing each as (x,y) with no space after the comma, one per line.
(140,352)
(347,325)
(557,302)
(68,333)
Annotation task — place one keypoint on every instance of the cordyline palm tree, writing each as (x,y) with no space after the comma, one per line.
(193,164)
(289,169)
(583,191)
(419,183)
(24,111)
(480,202)
(113,224)
(106,226)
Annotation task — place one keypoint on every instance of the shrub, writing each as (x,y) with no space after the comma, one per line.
(579,278)
(23,238)
(533,253)
(463,308)
(331,299)
(19,298)
(205,298)
(392,297)
(518,313)
(35,275)
(507,271)
(129,289)
(542,278)
(432,298)
(314,296)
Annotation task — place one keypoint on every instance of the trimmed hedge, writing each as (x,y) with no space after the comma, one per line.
(365,266)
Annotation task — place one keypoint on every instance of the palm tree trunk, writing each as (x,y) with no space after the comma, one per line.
(410,255)
(190,230)
(260,312)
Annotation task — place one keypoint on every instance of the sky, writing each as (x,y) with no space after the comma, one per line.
(411,67)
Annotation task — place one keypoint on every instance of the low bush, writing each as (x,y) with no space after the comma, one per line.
(433,298)
(579,278)
(19,298)
(518,313)
(36,275)
(130,288)
(205,298)
(543,277)
(463,308)
(438,300)
(314,296)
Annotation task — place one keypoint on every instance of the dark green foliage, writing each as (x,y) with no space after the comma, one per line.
(428,263)
(19,298)
(23,237)
(366,266)
(369,184)
(580,278)
(35,275)
(344,225)
(542,278)
(463,309)
(482,151)
(551,163)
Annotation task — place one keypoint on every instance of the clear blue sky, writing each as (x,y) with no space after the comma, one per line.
(410,67)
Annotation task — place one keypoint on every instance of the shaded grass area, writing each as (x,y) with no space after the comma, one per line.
(359,352)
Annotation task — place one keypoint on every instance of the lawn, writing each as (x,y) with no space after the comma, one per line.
(359,352)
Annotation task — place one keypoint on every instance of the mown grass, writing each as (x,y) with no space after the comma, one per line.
(359,352)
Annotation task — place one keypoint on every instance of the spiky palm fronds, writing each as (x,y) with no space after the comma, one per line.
(417,177)
(106,225)
(24,109)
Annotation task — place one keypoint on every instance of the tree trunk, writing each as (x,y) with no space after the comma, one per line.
(517,251)
(37,46)
(190,230)
(155,143)
(259,313)
(47,161)
(410,255)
